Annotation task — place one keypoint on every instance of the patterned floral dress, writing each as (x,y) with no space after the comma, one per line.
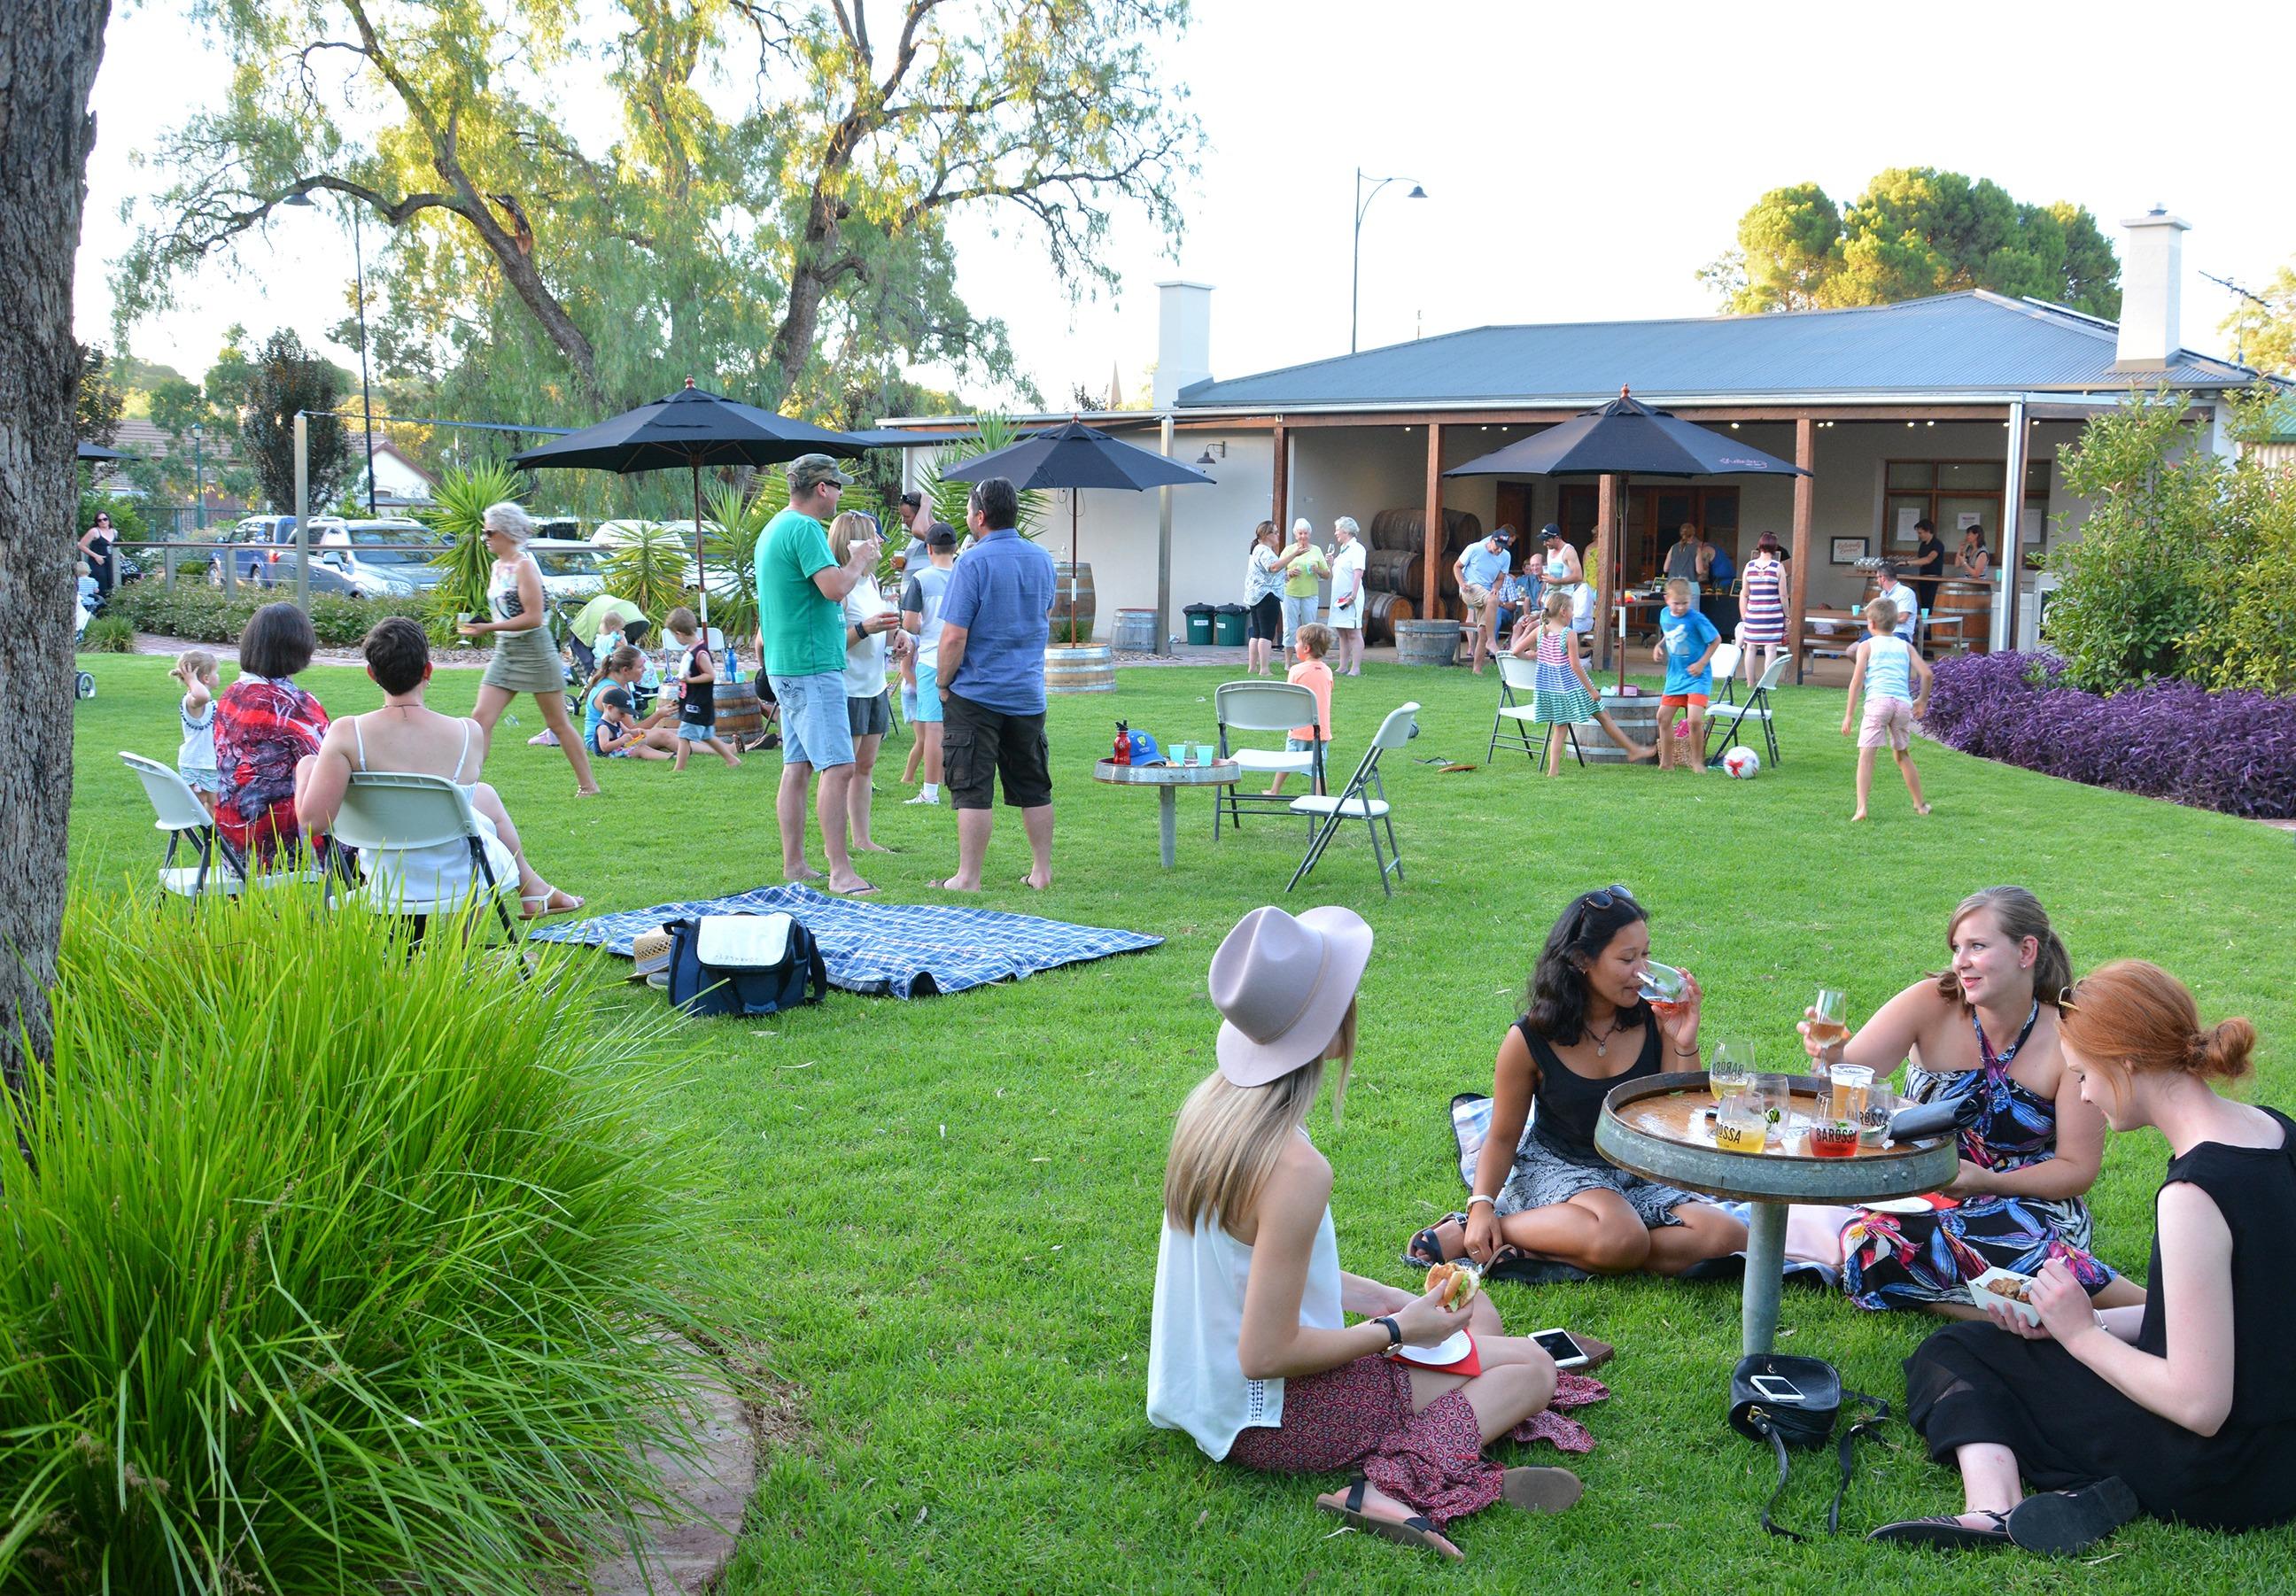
(1906,1260)
(262,728)
(1557,696)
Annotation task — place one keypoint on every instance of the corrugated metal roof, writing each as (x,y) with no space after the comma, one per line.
(1974,342)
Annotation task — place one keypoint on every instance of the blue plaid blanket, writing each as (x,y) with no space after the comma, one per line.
(905,950)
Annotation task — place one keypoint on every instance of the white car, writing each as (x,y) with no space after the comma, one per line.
(572,568)
(379,559)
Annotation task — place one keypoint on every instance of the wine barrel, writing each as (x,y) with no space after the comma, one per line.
(739,713)
(1381,613)
(1086,602)
(1395,570)
(1637,717)
(1088,668)
(1406,528)
(1136,630)
(1972,602)
(1426,642)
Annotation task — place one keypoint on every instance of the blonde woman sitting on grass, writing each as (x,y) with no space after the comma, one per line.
(1249,1348)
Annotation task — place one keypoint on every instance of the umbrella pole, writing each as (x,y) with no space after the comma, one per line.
(700,571)
(1073,492)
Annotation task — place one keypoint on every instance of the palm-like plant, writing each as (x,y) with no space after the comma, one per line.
(993,431)
(649,569)
(458,512)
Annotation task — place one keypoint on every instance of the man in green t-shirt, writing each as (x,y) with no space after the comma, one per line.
(802,636)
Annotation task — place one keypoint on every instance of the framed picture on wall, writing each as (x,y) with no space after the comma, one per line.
(1848,550)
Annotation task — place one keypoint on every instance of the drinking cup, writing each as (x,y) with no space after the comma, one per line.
(1881,1102)
(1731,1071)
(1851,1083)
(1740,1125)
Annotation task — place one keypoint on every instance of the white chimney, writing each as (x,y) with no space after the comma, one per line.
(2152,276)
(1183,338)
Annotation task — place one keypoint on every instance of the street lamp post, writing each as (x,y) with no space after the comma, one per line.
(199,479)
(1355,275)
(366,395)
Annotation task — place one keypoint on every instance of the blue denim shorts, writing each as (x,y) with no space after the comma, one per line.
(815,730)
(696,732)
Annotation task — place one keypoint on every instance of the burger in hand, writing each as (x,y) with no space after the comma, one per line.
(1458,1283)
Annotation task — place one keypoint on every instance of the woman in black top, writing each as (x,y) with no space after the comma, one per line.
(2182,1408)
(1544,1194)
(95,548)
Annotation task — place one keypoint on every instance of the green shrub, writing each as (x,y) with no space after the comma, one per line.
(459,510)
(209,614)
(337,1265)
(109,635)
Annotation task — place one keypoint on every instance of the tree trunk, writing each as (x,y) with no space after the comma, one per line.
(48,57)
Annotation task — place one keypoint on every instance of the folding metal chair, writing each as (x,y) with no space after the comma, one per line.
(1264,707)
(176,810)
(1756,706)
(1365,799)
(1725,669)
(395,812)
(1518,717)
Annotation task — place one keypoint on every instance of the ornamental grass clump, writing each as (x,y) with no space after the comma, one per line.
(336,1265)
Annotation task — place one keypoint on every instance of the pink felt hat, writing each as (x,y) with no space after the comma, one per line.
(1284,983)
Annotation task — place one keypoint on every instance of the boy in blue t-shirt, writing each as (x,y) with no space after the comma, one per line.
(1685,646)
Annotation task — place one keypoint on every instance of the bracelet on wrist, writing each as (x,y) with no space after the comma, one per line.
(1478,1196)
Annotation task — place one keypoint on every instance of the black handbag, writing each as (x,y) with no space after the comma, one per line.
(1796,1402)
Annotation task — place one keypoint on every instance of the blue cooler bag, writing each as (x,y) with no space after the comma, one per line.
(744,964)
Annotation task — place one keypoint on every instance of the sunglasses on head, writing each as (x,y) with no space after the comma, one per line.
(1605,897)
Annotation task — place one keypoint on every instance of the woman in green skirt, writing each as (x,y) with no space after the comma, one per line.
(525,658)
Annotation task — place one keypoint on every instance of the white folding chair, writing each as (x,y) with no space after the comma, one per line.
(1365,799)
(1756,706)
(1517,717)
(1725,667)
(1264,707)
(395,812)
(176,810)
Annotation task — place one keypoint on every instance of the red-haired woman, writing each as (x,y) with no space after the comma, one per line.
(2181,1409)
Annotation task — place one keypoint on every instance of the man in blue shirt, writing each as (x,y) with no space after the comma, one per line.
(1480,566)
(1685,646)
(994,624)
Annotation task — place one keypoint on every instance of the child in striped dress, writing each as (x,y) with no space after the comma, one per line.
(1562,693)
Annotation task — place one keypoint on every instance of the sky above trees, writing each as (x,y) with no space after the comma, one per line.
(1559,191)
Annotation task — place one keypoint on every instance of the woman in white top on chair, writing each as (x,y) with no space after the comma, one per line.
(405,737)
(1249,1350)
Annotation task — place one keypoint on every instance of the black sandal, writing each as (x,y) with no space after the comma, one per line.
(1418,1530)
(1946,1532)
(2062,1523)
(1426,1249)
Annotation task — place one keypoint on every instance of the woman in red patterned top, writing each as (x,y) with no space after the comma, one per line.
(265,726)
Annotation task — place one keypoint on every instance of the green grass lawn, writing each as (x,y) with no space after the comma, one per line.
(951,1203)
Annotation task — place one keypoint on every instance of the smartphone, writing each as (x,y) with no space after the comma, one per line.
(1777,1387)
(1558,1344)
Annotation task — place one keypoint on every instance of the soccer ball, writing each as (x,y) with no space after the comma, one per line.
(1742,762)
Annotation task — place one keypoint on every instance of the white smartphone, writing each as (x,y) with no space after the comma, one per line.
(1777,1388)
(1558,1344)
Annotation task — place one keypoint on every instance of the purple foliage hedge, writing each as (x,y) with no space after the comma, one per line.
(2230,751)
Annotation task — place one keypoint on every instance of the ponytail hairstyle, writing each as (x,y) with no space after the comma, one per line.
(1555,1001)
(2019,914)
(1228,1138)
(2134,1017)
(1263,530)
(1557,605)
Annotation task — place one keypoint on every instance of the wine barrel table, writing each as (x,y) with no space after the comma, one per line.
(1656,1127)
(1971,603)
(1168,780)
(1426,642)
(1637,717)
(739,713)
(1089,667)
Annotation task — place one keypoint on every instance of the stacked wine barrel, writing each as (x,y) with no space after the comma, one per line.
(1395,568)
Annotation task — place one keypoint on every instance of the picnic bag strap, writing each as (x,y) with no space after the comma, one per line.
(1847,1452)
(1786,1473)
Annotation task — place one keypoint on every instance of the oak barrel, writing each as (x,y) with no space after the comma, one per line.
(1395,570)
(1089,667)
(1381,613)
(1086,620)
(1426,642)
(1972,601)
(1636,716)
(739,713)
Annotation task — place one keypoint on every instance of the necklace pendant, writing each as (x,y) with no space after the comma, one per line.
(1602,1049)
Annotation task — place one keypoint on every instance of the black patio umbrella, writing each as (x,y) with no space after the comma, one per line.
(88,451)
(693,428)
(1075,456)
(1625,437)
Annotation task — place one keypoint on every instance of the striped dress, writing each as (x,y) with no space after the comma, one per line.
(1557,696)
(1763,606)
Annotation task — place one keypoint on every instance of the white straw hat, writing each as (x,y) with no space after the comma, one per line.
(1284,983)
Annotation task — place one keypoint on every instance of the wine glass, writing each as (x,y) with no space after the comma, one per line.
(1829,1020)
(1732,1068)
(1661,988)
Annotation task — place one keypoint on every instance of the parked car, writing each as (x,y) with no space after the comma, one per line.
(572,568)
(381,558)
(259,542)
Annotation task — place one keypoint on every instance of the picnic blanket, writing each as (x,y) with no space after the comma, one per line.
(901,950)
